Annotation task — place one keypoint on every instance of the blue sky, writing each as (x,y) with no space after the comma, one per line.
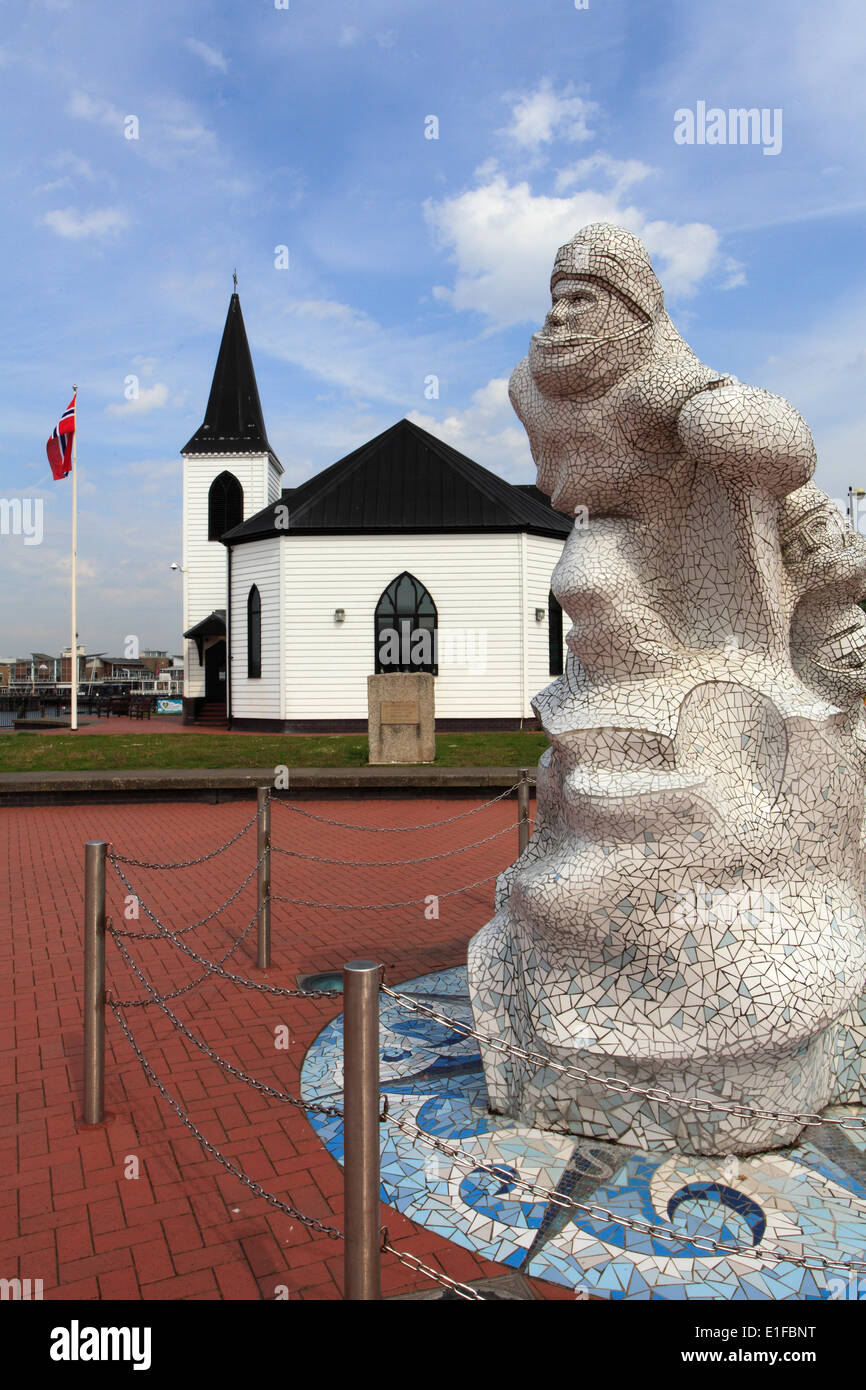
(304,127)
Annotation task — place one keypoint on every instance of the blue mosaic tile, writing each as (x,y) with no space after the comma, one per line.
(798,1199)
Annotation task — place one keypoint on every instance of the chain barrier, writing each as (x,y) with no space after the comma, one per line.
(215,968)
(183,863)
(157,936)
(232,1070)
(412,1262)
(504,1174)
(191,984)
(311,1222)
(395,863)
(654,1093)
(364,907)
(393,829)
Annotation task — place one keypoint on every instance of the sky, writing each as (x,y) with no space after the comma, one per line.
(151,149)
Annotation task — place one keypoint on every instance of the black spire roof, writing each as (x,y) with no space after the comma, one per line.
(405,480)
(233,422)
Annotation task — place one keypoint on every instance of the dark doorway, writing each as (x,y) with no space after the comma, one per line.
(215,673)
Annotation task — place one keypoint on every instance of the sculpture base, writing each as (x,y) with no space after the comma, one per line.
(593,1098)
(767,1211)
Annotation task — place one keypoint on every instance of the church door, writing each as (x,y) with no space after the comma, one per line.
(215,672)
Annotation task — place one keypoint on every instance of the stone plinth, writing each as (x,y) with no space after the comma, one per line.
(401,717)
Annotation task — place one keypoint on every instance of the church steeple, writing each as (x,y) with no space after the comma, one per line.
(233,421)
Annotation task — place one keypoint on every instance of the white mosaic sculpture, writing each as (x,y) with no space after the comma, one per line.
(689,914)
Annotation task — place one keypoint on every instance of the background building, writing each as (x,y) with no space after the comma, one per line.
(292,597)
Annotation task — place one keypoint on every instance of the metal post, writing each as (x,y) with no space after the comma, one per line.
(94,982)
(264,877)
(361,1126)
(523,810)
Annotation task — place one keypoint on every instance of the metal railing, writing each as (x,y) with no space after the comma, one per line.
(364,1110)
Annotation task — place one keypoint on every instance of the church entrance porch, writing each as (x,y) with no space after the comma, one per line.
(213,710)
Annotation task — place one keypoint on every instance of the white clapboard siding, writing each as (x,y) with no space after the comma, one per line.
(479,583)
(543,552)
(204,561)
(260,698)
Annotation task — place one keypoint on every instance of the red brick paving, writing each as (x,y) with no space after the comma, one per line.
(186,1229)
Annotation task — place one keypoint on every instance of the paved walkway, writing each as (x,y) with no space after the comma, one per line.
(72,1214)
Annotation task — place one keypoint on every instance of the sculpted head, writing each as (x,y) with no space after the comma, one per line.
(826,562)
(605,299)
(605,377)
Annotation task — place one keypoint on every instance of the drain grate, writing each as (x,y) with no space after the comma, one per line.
(326,979)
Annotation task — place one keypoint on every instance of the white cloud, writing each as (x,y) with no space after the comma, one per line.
(329,309)
(502,238)
(682,255)
(73,167)
(348,36)
(539,117)
(735,273)
(149,398)
(211,56)
(76,226)
(171,128)
(87,108)
(487,431)
(620,173)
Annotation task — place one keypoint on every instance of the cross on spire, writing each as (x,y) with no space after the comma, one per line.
(235,278)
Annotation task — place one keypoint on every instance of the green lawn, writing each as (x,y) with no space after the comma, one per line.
(25,752)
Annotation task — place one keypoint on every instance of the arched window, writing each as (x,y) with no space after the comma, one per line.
(225,505)
(254,634)
(405,627)
(554,635)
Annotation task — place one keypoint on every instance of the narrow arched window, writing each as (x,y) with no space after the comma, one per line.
(254,634)
(405,627)
(225,505)
(554,635)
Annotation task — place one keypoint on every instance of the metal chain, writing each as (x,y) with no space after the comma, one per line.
(257,1085)
(397,863)
(365,907)
(559,1199)
(191,984)
(412,1262)
(183,863)
(656,1093)
(156,936)
(394,829)
(215,968)
(311,1221)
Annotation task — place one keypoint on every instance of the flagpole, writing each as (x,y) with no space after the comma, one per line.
(73,654)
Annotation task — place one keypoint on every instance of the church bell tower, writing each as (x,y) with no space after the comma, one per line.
(230,472)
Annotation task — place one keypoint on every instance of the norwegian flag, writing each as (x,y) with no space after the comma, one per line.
(59,446)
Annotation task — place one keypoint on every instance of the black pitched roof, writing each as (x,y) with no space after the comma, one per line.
(233,421)
(214,625)
(532,491)
(404,480)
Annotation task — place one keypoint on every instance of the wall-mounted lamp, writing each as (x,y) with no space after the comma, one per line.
(180,568)
(539,615)
(339,615)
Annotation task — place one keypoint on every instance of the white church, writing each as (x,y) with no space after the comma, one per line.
(403,556)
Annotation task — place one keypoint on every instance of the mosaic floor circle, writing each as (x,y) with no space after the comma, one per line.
(805,1200)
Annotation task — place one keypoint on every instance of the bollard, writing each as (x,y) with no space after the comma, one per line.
(361,1130)
(94,982)
(263,845)
(523,811)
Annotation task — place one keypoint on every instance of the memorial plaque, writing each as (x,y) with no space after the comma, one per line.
(400,712)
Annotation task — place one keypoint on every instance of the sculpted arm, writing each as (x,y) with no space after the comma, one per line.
(748,437)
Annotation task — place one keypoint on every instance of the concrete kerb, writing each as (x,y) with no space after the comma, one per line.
(229,784)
